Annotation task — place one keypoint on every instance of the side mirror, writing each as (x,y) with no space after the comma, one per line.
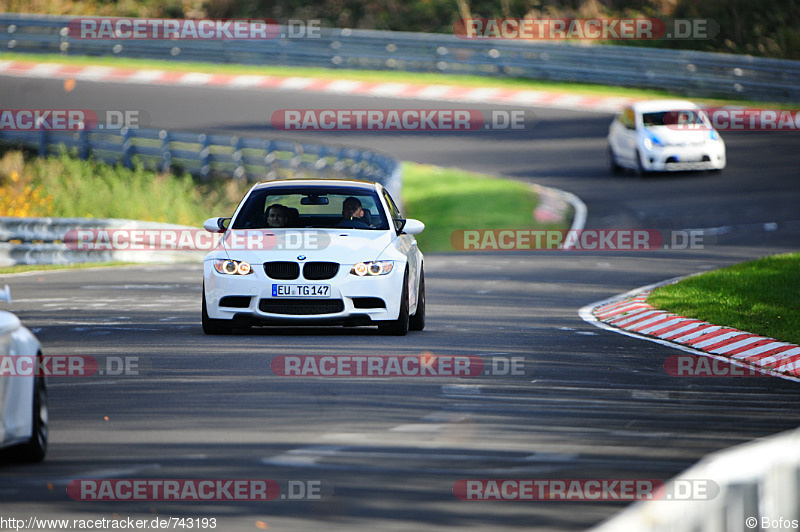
(413,227)
(216,225)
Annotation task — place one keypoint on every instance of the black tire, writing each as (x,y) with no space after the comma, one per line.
(212,326)
(640,171)
(35,449)
(417,321)
(398,327)
(613,166)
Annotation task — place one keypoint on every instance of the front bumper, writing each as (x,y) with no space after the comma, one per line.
(682,158)
(353,299)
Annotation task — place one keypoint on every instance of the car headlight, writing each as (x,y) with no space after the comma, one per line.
(232,267)
(651,141)
(378,267)
(713,135)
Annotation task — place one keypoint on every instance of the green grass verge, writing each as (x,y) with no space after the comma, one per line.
(448,199)
(68,187)
(372,76)
(761,297)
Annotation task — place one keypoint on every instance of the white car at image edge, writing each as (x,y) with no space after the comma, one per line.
(362,269)
(23,396)
(664,135)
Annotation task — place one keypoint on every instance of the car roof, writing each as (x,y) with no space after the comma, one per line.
(365,186)
(650,106)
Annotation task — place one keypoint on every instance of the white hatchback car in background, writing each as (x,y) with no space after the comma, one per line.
(664,135)
(309,252)
(23,394)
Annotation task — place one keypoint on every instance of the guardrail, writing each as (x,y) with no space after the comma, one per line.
(206,155)
(685,72)
(42,241)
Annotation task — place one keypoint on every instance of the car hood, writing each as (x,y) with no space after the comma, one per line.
(668,135)
(345,246)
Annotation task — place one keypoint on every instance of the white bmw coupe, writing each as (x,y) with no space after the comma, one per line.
(313,252)
(23,393)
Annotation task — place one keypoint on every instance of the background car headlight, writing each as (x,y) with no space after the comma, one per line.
(379,267)
(651,141)
(232,267)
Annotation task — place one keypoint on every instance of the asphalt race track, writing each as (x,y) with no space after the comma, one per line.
(591,404)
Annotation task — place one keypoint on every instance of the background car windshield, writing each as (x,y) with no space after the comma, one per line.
(318,208)
(677,116)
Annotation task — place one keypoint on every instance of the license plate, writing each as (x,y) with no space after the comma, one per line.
(301,290)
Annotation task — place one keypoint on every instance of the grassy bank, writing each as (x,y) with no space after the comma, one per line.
(448,199)
(761,297)
(67,187)
(445,199)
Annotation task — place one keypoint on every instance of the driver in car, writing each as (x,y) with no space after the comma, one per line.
(277,215)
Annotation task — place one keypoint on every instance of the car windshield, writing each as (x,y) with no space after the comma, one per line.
(671,118)
(312,207)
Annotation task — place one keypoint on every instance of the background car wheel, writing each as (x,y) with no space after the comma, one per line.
(613,167)
(398,327)
(640,171)
(35,449)
(211,326)
(417,321)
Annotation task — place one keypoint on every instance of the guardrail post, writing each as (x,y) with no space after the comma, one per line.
(240,172)
(358,169)
(269,159)
(83,147)
(127,147)
(42,141)
(205,156)
(166,156)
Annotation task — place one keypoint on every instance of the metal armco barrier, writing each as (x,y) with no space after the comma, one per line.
(41,241)
(701,74)
(206,155)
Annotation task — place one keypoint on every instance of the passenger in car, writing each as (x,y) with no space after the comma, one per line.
(353,215)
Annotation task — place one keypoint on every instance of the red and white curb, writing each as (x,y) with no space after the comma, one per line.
(630,314)
(447,93)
